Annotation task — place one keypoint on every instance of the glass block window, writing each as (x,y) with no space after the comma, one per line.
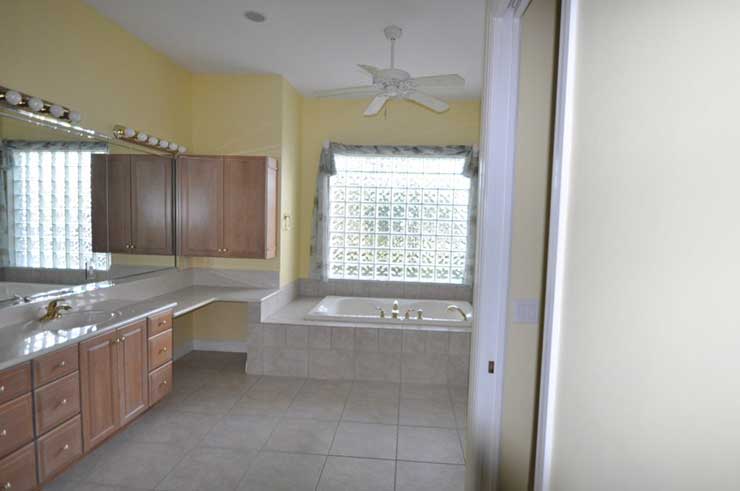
(51,224)
(398,219)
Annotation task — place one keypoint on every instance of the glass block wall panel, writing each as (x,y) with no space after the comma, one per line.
(51,223)
(398,219)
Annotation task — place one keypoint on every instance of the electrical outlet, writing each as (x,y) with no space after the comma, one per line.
(287,225)
(526,311)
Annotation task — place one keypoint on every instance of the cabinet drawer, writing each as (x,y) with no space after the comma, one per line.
(15,381)
(55,365)
(160,349)
(18,470)
(160,383)
(57,402)
(59,448)
(159,322)
(16,424)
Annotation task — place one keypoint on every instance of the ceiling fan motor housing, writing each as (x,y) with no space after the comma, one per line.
(393,81)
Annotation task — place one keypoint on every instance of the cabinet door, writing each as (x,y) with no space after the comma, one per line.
(250,191)
(100,389)
(99,194)
(200,205)
(151,205)
(133,373)
(119,203)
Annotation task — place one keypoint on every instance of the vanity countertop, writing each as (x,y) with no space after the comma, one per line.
(30,339)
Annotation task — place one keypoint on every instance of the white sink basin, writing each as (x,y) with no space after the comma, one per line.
(71,320)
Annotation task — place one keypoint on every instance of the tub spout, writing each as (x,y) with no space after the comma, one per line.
(451,308)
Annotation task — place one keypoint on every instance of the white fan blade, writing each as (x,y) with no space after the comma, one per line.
(360,91)
(372,70)
(428,101)
(376,105)
(450,80)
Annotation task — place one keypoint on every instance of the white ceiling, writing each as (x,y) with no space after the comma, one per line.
(315,44)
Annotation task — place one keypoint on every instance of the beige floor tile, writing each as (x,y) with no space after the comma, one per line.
(416,476)
(302,435)
(344,473)
(272,471)
(437,445)
(241,432)
(209,468)
(365,440)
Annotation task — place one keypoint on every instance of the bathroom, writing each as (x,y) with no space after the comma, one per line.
(220,272)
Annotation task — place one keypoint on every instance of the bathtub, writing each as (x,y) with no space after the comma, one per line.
(367,310)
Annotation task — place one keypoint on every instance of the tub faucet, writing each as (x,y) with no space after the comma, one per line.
(395,311)
(451,308)
(381,312)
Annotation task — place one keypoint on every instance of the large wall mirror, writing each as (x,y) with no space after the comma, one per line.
(76,210)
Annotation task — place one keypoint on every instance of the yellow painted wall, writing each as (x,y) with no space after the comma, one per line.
(290,176)
(221,321)
(648,394)
(404,123)
(183,329)
(529,227)
(64,51)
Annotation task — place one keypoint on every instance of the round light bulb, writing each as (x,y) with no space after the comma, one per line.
(153,140)
(142,137)
(129,132)
(13,98)
(56,111)
(182,149)
(74,116)
(164,143)
(35,104)
(173,146)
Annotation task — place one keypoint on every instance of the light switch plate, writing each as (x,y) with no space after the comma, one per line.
(526,311)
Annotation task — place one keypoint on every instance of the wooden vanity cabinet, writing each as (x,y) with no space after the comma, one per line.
(114,381)
(132,200)
(227,206)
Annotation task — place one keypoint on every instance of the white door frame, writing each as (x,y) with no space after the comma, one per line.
(561,169)
(493,254)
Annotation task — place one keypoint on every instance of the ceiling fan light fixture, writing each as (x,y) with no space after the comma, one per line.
(255,16)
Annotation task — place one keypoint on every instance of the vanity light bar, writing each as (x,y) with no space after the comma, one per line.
(140,138)
(20,101)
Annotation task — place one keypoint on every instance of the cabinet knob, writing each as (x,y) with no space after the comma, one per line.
(2,388)
(66,446)
(164,382)
(7,485)
(163,350)
(123,338)
(162,323)
(63,402)
(62,364)
(4,432)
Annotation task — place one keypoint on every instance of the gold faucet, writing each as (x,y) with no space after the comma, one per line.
(54,310)
(450,308)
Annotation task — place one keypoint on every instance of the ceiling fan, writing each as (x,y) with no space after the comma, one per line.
(394,83)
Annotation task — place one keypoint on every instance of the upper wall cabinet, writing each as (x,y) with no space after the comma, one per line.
(132,204)
(227,206)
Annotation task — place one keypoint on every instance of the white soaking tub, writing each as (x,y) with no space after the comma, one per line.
(368,310)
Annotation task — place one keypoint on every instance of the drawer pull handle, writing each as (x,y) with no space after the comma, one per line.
(63,402)
(162,323)
(163,350)
(66,446)
(2,388)
(7,485)
(164,382)
(123,338)
(4,432)
(62,364)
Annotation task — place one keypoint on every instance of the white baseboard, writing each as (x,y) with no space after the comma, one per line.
(228,346)
(183,350)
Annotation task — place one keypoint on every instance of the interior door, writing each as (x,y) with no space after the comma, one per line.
(119,203)
(151,205)
(246,198)
(200,205)
(133,373)
(99,389)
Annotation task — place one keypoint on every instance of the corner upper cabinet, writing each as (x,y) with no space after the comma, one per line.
(132,204)
(227,206)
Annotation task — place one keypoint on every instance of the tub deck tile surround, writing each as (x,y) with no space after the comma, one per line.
(336,350)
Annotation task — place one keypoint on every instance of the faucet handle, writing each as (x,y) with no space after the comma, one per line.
(382,312)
